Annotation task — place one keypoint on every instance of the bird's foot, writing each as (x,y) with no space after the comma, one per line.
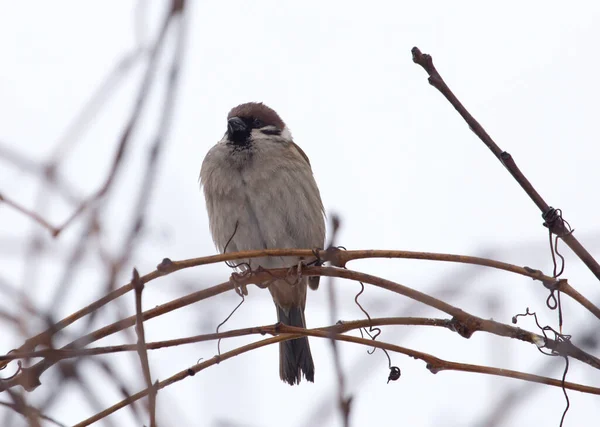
(239,283)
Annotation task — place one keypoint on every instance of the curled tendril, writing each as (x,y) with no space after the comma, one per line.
(551,217)
(373,333)
(226,319)
(557,337)
(19,367)
(551,301)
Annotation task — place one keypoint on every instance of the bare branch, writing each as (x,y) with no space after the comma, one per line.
(554,222)
(338,328)
(30,214)
(336,257)
(465,324)
(434,364)
(142,351)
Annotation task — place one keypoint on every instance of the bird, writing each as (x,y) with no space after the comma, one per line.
(260,193)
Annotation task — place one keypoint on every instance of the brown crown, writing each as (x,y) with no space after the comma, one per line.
(257,110)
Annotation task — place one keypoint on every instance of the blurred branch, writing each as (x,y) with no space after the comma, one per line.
(17,408)
(143,92)
(45,172)
(343,401)
(30,214)
(553,220)
(141,348)
(166,116)
(134,117)
(93,105)
(31,414)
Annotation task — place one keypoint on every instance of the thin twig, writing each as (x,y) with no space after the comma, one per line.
(17,408)
(554,223)
(29,377)
(156,149)
(337,257)
(338,328)
(20,405)
(142,351)
(130,126)
(30,214)
(463,323)
(22,162)
(343,401)
(434,365)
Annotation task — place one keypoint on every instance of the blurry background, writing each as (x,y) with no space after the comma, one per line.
(391,157)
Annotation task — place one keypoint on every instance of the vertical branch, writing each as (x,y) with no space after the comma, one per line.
(142,350)
(343,402)
(175,19)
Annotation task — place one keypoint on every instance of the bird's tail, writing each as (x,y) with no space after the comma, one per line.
(294,355)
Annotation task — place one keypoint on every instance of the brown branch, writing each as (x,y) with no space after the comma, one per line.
(30,214)
(142,351)
(29,377)
(142,95)
(17,408)
(20,405)
(340,258)
(61,354)
(464,323)
(22,162)
(93,105)
(344,403)
(155,150)
(336,257)
(555,223)
(434,365)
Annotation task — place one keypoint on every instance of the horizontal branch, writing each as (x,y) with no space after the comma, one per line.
(61,354)
(336,257)
(434,364)
(340,258)
(463,323)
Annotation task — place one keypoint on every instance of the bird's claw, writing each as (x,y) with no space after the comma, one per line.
(239,285)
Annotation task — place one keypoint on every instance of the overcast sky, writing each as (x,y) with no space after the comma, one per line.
(390,155)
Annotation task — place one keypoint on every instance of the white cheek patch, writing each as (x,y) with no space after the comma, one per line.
(256,134)
(286,134)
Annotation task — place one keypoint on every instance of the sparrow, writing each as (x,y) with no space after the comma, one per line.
(261,194)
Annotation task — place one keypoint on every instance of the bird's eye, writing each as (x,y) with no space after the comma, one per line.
(258,123)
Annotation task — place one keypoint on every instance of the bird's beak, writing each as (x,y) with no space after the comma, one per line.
(237,131)
(235,125)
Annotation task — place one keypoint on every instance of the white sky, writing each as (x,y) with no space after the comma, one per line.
(391,157)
